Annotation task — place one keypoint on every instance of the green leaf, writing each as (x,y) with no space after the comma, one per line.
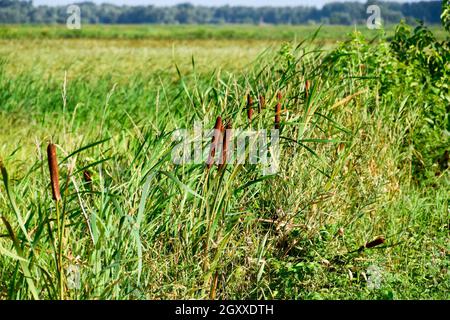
(10,254)
(23,263)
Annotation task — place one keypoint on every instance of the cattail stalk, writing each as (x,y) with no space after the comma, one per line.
(379,240)
(215,140)
(278,111)
(54,174)
(56,193)
(249,108)
(226,145)
(376,242)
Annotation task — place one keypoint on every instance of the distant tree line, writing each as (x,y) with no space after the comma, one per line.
(16,11)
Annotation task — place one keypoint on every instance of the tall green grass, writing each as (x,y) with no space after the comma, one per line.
(145,228)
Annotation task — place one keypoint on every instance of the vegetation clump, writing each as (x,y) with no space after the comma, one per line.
(362,185)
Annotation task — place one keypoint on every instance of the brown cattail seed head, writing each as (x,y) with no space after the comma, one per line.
(379,240)
(249,100)
(218,128)
(54,174)
(226,144)
(278,111)
(249,107)
(262,103)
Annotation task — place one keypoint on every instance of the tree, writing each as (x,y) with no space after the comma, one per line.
(20,11)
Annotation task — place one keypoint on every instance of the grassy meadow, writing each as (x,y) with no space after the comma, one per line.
(358,210)
(328,34)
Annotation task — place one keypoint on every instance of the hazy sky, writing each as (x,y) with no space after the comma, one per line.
(204,2)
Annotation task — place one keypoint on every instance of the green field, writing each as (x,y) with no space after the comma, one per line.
(196,32)
(363,157)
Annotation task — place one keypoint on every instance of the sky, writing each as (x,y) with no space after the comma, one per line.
(204,2)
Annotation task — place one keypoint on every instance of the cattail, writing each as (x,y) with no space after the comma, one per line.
(278,111)
(54,175)
(249,107)
(262,103)
(215,139)
(307,86)
(226,144)
(379,240)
